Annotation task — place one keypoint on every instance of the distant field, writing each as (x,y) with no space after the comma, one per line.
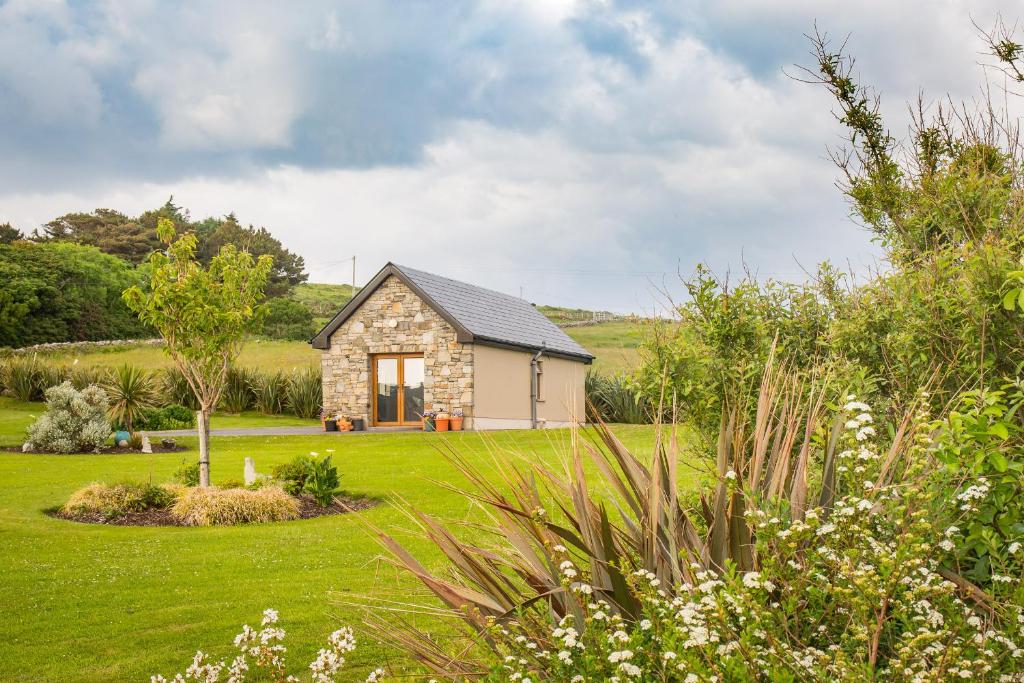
(282,355)
(614,343)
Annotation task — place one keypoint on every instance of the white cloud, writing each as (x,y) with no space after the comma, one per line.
(241,93)
(511,210)
(575,149)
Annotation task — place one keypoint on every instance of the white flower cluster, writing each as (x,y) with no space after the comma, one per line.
(263,651)
(973,494)
(861,423)
(329,660)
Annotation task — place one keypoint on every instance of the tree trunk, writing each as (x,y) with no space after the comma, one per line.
(203,425)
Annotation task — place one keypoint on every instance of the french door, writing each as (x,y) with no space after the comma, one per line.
(398,389)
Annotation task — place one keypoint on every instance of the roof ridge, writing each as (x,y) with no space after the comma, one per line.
(476,313)
(463,282)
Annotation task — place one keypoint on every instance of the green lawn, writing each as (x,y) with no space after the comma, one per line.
(90,602)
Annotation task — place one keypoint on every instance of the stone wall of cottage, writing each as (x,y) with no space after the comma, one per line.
(395,320)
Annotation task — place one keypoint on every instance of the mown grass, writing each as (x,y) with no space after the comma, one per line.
(98,603)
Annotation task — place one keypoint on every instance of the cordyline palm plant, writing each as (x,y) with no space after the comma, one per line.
(131,391)
(627,517)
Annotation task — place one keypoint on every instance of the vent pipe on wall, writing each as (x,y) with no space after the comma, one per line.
(534,386)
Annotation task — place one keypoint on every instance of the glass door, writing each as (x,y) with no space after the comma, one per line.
(386,396)
(412,389)
(398,389)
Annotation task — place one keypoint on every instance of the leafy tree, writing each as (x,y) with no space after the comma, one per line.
(55,292)
(950,214)
(289,268)
(724,335)
(8,233)
(106,229)
(288,319)
(203,313)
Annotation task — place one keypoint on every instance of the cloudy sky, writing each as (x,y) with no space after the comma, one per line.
(582,151)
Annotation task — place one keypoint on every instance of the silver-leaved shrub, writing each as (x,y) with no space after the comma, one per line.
(75,421)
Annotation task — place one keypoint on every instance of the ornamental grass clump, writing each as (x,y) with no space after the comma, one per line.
(74,422)
(213,507)
(304,395)
(268,390)
(238,394)
(109,501)
(24,379)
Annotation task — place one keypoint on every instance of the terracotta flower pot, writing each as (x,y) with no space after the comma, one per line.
(441,424)
(456,424)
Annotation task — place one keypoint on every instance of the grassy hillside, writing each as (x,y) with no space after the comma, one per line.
(323,300)
(614,343)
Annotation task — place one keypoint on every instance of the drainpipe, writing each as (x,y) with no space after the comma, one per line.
(533,387)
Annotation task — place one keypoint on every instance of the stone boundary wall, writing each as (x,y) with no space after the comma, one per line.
(71,346)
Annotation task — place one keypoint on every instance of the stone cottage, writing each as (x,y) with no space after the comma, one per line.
(411,341)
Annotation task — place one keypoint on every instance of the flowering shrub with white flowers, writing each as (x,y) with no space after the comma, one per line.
(858,594)
(981,446)
(261,656)
(826,553)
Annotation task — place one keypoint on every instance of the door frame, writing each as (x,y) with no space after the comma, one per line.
(403,421)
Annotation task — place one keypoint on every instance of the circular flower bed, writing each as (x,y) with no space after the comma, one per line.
(143,504)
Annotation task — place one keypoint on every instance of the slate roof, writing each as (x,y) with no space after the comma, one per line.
(479,315)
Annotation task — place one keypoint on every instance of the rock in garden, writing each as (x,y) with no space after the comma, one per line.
(147,447)
(168,443)
(26,447)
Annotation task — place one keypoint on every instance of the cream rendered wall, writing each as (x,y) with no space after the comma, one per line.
(501,390)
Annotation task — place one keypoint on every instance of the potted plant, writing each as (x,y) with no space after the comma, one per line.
(441,421)
(428,420)
(456,421)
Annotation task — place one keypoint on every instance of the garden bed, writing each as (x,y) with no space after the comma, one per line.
(105,450)
(308,509)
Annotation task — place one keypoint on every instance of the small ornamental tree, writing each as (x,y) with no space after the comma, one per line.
(203,314)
